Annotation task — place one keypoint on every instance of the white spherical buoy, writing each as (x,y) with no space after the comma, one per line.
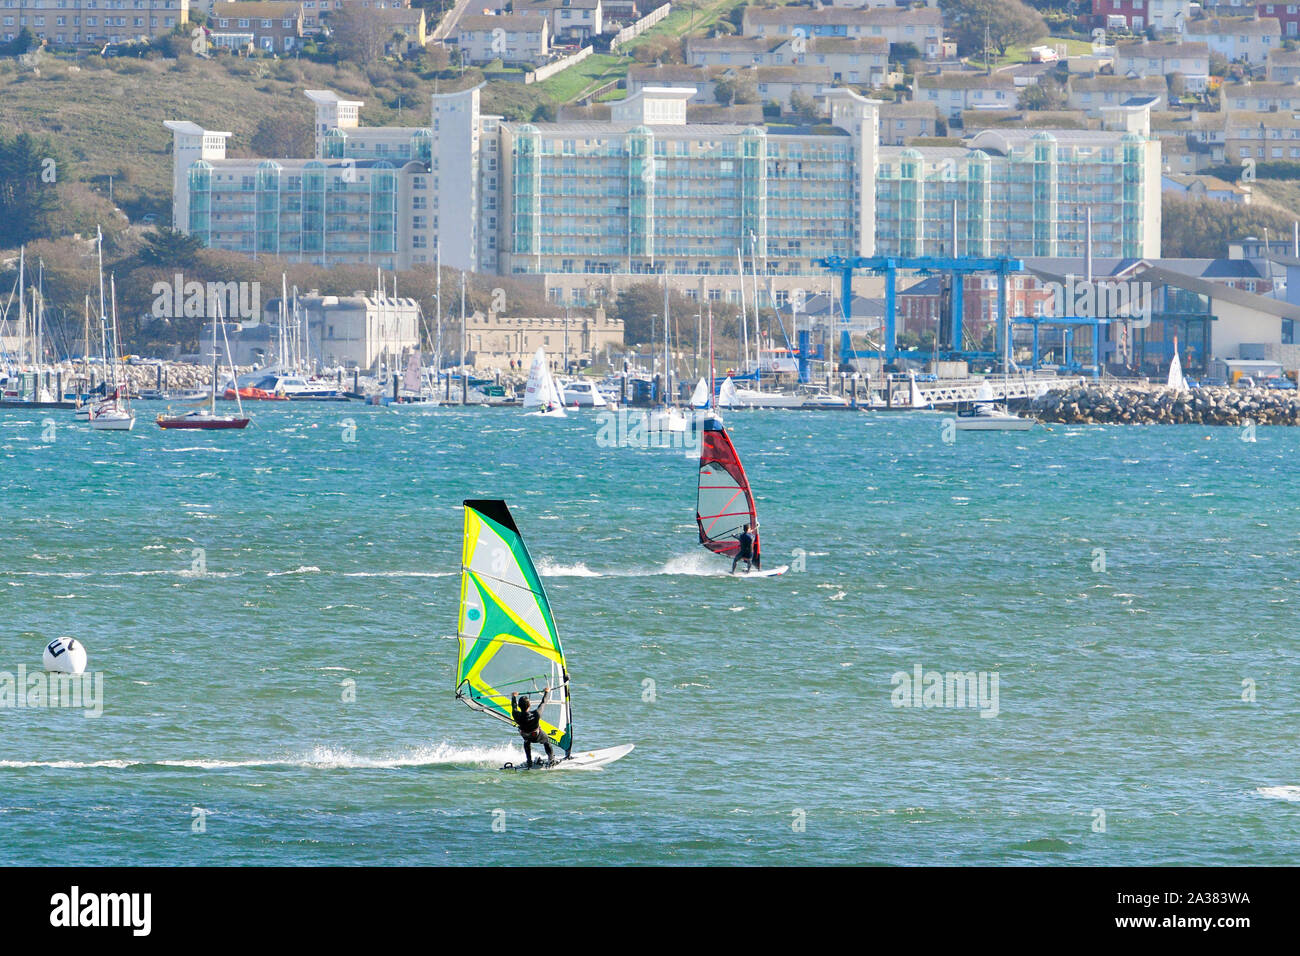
(65,655)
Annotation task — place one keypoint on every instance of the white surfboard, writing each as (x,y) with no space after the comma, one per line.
(582,759)
(763,574)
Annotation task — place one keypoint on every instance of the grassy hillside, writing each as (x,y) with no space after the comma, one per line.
(107,115)
(1280,194)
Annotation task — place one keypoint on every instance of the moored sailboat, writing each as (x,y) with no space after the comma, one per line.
(114,412)
(207,418)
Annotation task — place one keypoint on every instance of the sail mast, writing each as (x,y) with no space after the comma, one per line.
(103,316)
(744,320)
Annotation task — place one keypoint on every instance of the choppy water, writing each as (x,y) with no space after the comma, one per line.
(769,733)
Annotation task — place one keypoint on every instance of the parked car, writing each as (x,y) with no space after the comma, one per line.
(1213,383)
(1245,382)
(1283,384)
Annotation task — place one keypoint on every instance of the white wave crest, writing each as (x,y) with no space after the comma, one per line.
(550,569)
(1290,794)
(318,758)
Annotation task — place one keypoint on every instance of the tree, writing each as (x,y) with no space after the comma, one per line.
(359,34)
(641,307)
(735,89)
(284,136)
(803,106)
(903,52)
(168,247)
(1177,83)
(24,42)
(1005,22)
(1046,94)
(30,172)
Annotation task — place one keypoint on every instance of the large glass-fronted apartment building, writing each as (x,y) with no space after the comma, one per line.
(647,192)
(1022,193)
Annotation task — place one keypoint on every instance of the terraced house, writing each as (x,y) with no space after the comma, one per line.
(571,21)
(270,25)
(316,13)
(953,91)
(922,27)
(1242,39)
(1189,58)
(509,37)
(859,61)
(91,22)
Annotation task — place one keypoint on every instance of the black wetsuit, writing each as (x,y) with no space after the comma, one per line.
(745,552)
(529,723)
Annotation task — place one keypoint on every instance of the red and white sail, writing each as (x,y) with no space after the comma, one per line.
(724,505)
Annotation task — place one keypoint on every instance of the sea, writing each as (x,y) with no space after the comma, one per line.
(1072,645)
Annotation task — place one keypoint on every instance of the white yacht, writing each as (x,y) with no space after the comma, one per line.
(583,394)
(991,417)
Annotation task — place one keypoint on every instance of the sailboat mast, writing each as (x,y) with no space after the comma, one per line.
(112,285)
(215,367)
(758,334)
(234,380)
(438,298)
(744,320)
(85,344)
(22,307)
(38,312)
(464,376)
(103,316)
(668,389)
(712,373)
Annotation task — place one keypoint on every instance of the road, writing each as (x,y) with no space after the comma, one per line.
(453,16)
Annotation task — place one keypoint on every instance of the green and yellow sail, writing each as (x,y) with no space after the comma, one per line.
(508,641)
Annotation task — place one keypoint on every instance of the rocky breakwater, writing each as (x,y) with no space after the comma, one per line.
(171,376)
(1137,405)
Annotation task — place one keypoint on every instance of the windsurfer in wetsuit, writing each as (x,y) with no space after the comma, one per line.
(747,551)
(529,723)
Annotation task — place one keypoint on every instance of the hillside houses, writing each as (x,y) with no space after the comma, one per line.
(571,21)
(923,28)
(1261,137)
(1261,97)
(901,122)
(951,92)
(1200,135)
(1164,57)
(1282,66)
(1239,39)
(1092,94)
(856,61)
(510,37)
(770,84)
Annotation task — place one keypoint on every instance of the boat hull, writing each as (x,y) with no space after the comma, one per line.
(209,424)
(996,425)
(114,424)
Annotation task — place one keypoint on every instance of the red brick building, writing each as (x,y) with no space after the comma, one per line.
(1288,14)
